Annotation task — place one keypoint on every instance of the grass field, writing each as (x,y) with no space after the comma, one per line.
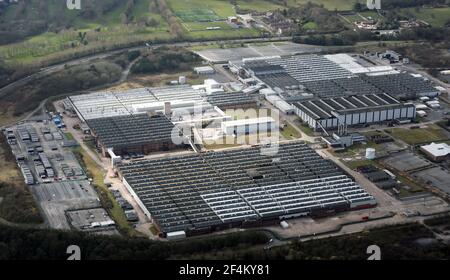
(69,136)
(353,18)
(105,195)
(419,135)
(162,79)
(310,25)
(289,132)
(258,5)
(196,15)
(371,14)
(340,5)
(353,164)
(202,26)
(265,5)
(221,8)
(437,17)
(109,31)
(105,31)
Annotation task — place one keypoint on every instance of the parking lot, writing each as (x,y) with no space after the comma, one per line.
(46,151)
(56,198)
(91,219)
(65,191)
(435,176)
(43,152)
(406,161)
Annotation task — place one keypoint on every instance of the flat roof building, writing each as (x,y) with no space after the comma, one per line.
(133,133)
(353,110)
(199,193)
(436,151)
(335,75)
(122,103)
(204,70)
(231,100)
(249,126)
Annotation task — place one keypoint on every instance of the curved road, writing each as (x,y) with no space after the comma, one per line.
(57,67)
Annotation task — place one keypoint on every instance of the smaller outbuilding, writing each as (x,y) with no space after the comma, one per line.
(204,70)
(248,126)
(436,152)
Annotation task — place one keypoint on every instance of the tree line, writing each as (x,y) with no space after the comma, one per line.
(165,59)
(161,7)
(20,244)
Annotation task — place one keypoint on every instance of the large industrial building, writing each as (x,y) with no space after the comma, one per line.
(232,100)
(329,113)
(249,126)
(142,120)
(328,91)
(139,133)
(198,193)
(331,75)
(134,101)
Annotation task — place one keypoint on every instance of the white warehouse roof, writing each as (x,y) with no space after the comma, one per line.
(347,62)
(437,150)
(248,121)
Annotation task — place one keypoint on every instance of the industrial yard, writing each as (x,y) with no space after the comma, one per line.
(43,152)
(281,137)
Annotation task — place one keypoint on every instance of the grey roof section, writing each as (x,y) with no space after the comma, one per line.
(123,131)
(229,99)
(202,190)
(109,104)
(236,54)
(261,67)
(278,80)
(306,68)
(400,85)
(324,108)
(325,88)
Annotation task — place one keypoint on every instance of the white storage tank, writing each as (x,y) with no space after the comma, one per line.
(370,153)
(182,80)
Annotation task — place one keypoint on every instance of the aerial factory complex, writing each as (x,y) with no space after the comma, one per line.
(256,145)
(224,130)
(186,187)
(240,187)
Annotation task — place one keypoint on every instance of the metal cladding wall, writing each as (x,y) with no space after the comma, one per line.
(306,117)
(371,115)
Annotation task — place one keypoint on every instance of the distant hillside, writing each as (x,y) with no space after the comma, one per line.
(32,17)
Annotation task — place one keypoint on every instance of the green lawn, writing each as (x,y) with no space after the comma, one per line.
(340,5)
(353,18)
(98,176)
(419,135)
(102,32)
(224,34)
(353,164)
(258,5)
(222,8)
(310,25)
(202,26)
(289,132)
(304,127)
(371,14)
(69,136)
(437,17)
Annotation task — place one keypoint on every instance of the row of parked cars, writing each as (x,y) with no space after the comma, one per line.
(126,206)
